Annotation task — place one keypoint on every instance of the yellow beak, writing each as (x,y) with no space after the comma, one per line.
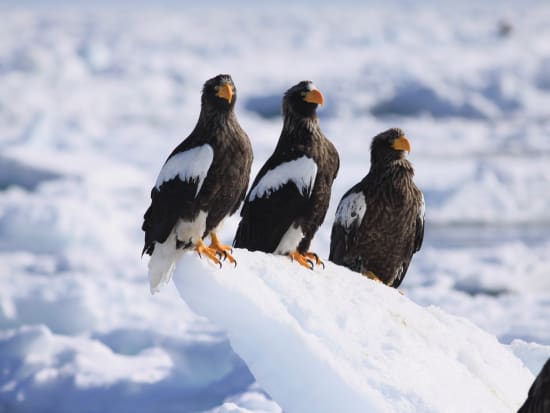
(402,144)
(226,92)
(314,96)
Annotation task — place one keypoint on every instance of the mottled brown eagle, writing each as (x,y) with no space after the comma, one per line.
(379,222)
(538,399)
(289,198)
(203,180)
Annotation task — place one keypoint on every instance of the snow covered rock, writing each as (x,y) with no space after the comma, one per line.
(331,340)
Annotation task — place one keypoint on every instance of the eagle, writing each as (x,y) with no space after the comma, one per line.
(204,180)
(379,222)
(538,398)
(290,196)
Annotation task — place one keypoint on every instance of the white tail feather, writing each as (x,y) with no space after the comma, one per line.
(163,263)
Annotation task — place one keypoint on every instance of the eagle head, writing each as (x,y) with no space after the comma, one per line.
(219,92)
(302,99)
(389,145)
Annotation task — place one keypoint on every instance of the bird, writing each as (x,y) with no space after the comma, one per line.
(289,197)
(538,398)
(204,180)
(379,222)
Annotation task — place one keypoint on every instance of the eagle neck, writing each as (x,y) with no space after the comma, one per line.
(299,129)
(391,182)
(398,172)
(210,121)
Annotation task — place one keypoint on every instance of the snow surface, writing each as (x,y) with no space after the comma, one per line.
(302,171)
(332,340)
(94,98)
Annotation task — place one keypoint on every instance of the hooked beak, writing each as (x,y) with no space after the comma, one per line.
(402,144)
(225,91)
(314,96)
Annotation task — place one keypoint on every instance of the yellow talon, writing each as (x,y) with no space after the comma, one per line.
(301,259)
(313,256)
(223,250)
(372,276)
(211,253)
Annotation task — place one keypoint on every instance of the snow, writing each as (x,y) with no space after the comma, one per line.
(301,171)
(93,99)
(354,342)
(192,164)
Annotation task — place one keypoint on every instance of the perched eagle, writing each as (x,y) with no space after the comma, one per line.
(379,222)
(290,196)
(538,399)
(203,180)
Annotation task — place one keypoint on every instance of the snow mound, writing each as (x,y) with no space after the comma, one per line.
(532,354)
(15,173)
(317,341)
(413,97)
(45,372)
(267,106)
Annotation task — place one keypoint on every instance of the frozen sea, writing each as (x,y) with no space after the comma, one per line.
(93,99)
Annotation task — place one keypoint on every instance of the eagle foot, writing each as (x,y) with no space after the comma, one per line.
(211,253)
(301,259)
(372,276)
(314,256)
(224,251)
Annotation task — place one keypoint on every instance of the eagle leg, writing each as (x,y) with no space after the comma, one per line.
(211,253)
(223,250)
(313,256)
(372,276)
(301,259)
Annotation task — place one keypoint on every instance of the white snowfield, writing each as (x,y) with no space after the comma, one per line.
(331,340)
(93,101)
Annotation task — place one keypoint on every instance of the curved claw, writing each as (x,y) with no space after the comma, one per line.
(224,251)
(301,259)
(314,257)
(209,252)
(373,276)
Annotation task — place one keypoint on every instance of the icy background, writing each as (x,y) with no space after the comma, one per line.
(92,100)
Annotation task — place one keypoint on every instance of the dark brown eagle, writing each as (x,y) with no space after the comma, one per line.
(203,180)
(289,198)
(538,399)
(379,222)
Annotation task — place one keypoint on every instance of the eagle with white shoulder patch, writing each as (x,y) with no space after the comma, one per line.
(190,165)
(301,171)
(351,210)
